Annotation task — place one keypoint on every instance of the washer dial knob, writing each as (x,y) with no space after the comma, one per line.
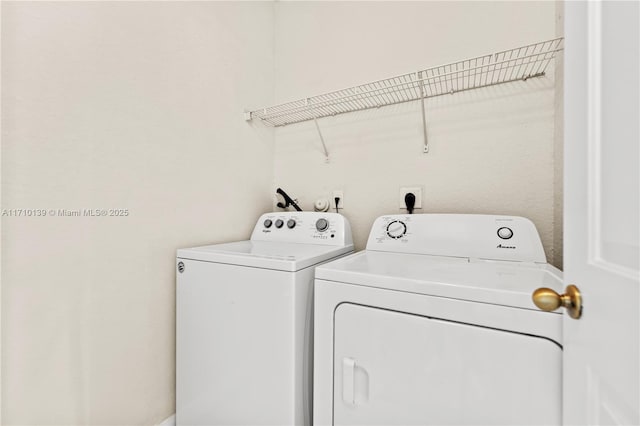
(279,223)
(322,225)
(291,223)
(396,229)
(268,223)
(505,233)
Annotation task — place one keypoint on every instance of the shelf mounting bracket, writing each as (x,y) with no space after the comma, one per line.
(324,146)
(425,148)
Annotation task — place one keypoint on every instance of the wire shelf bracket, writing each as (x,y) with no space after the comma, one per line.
(324,146)
(425,148)
(517,64)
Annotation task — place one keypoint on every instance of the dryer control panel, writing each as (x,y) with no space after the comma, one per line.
(303,227)
(461,235)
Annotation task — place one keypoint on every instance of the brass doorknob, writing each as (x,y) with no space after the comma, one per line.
(548,300)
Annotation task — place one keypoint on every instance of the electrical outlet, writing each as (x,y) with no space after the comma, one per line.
(415,190)
(337,193)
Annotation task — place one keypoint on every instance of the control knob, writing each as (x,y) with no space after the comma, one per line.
(268,223)
(291,223)
(279,223)
(396,229)
(322,225)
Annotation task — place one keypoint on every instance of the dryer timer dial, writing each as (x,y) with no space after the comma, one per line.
(396,229)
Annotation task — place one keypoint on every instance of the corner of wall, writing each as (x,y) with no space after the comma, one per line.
(1,333)
(558,148)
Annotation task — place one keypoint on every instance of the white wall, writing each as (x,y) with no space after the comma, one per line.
(119,105)
(136,106)
(491,150)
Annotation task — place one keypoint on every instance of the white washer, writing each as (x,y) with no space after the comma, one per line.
(433,324)
(243,338)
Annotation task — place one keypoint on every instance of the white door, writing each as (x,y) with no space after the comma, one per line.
(601,357)
(405,369)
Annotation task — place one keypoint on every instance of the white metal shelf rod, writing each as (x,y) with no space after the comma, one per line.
(445,77)
(511,61)
(298,114)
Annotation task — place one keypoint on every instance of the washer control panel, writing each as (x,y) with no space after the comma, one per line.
(303,227)
(474,236)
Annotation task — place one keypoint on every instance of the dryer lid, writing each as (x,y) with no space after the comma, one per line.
(494,282)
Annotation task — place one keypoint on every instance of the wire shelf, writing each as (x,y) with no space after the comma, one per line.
(520,63)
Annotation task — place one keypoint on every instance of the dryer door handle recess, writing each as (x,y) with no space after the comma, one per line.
(348,380)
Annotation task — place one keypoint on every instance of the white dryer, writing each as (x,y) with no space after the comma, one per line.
(433,324)
(243,321)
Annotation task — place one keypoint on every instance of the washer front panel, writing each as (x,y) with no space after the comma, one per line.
(240,345)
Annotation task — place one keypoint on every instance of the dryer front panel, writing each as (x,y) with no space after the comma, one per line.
(398,368)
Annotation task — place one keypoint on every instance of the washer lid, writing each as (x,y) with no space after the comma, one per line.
(494,282)
(268,255)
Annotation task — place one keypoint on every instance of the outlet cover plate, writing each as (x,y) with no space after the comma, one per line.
(404,190)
